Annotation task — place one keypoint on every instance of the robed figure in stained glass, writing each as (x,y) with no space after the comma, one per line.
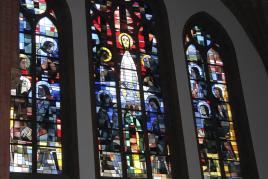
(128,75)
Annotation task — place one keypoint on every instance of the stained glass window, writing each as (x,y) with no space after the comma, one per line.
(35,114)
(131,135)
(218,150)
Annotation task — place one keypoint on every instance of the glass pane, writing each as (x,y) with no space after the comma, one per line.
(136,166)
(21,109)
(49,160)
(20,158)
(109,140)
(201,37)
(216,74)
(21,132)
(34,6)
(214,58)
(24,24)
(192,54)
(46,27)
(232,170)
(49,134)
(110,164)
(25,43)
(161,167)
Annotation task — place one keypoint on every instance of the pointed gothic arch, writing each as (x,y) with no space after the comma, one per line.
(136,120)
(43,112)
(222,129)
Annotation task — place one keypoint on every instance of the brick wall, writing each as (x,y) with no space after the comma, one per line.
(8,57)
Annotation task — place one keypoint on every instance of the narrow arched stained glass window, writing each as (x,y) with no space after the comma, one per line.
(217,141)
(130,121)
(35,114)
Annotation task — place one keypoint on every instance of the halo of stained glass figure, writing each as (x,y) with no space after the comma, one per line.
(35,114)
(219,155)
(130,117)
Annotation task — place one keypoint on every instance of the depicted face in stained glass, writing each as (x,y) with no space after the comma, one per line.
(195,73)
(105,99)
(24,62)
(25,85)
(217,93)
(125,40)
(199,89)
(48,47)
(105,54)
(154,104)
(146,61)
(204,109)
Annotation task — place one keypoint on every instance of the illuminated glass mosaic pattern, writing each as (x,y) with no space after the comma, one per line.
(130,111)
(218,149)
(34,6)
(35,116)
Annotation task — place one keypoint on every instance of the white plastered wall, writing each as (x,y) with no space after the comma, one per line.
(252,72)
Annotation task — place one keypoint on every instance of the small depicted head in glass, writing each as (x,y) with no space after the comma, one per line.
(104,54)
(204,109)
(25,84)
(48,64)
(218,93)
(44,92)
(105,99)
(44,64)
(194,74)
(222,112)
(195,71)
(125,40)
(148,81)
(198,89)
(146,60)
(53,67)
(154,104)
(48,47)
(24,62)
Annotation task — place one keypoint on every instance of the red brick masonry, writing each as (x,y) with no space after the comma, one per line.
(9,53)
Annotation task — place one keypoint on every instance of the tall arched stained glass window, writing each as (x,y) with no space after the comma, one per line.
(36,91)
(217,101)
(131,130)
